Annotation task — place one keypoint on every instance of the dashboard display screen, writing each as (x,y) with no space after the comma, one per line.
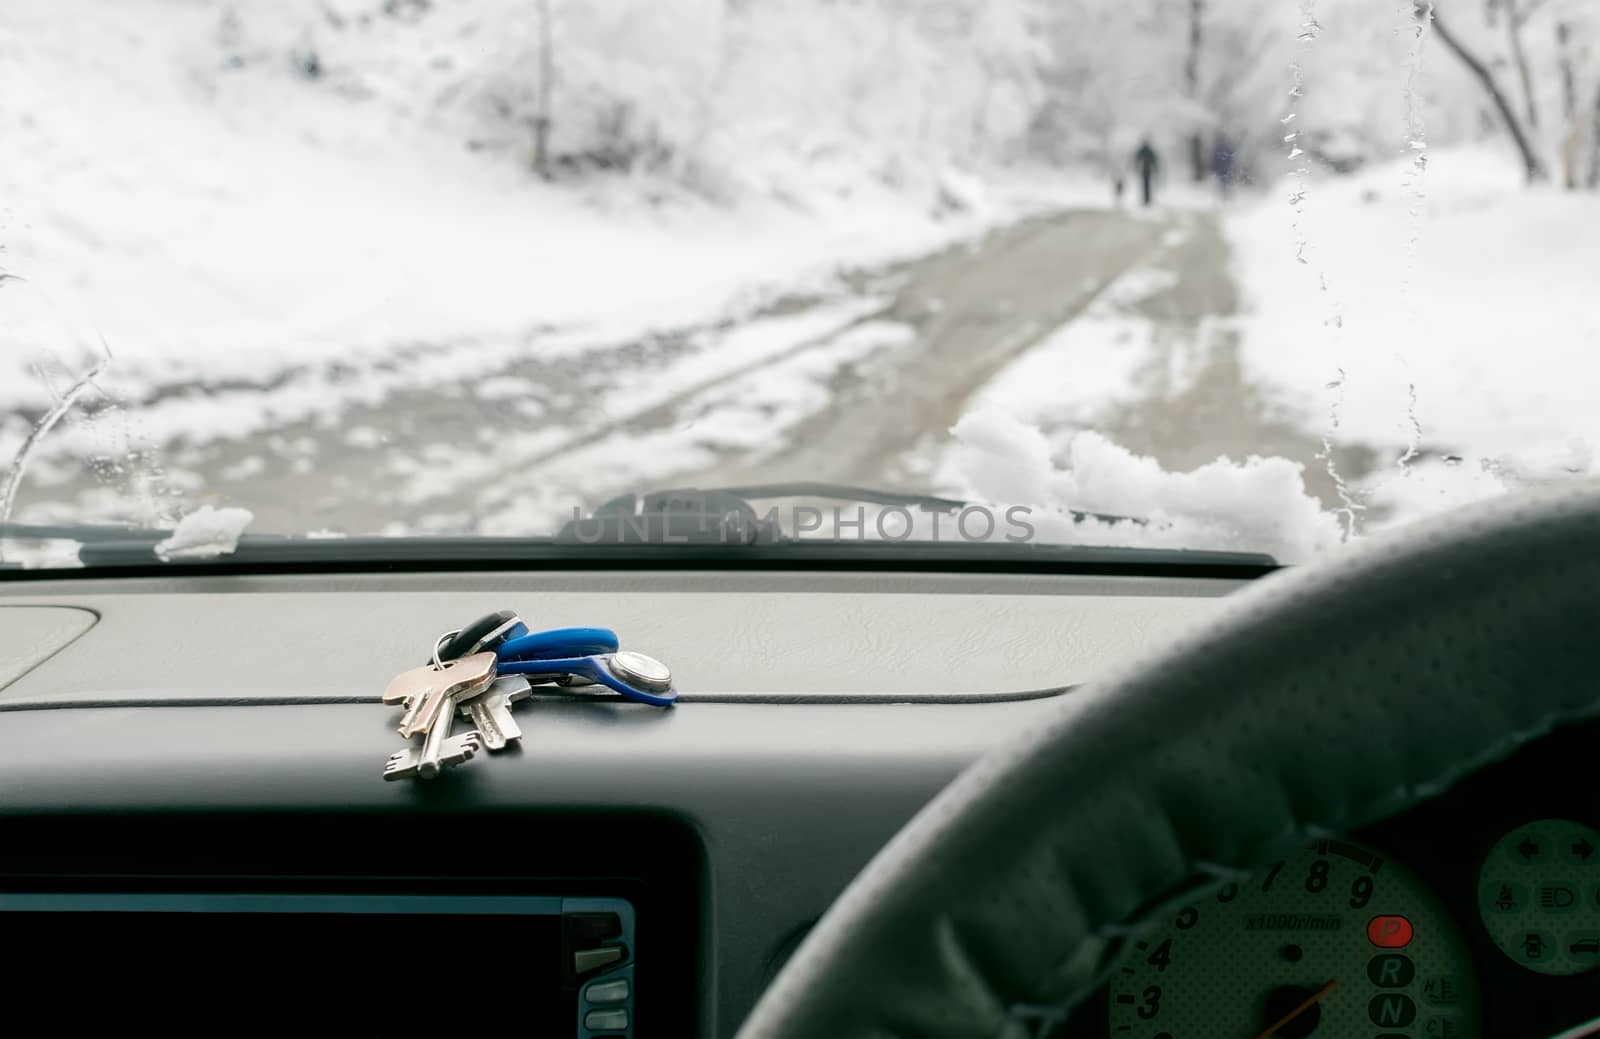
(287,965)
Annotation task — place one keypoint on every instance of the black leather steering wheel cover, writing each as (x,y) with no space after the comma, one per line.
(1319,701)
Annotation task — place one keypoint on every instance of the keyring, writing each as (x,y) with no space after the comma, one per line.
(438,643)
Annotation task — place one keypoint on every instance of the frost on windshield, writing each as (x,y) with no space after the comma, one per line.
(1255,270)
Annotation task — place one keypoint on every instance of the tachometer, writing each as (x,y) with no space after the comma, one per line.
(1333,942)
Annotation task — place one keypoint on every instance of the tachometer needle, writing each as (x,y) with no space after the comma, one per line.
(1310,1001)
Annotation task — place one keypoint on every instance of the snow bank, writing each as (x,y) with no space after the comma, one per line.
(1474,289)
(206,533)
(1259,505)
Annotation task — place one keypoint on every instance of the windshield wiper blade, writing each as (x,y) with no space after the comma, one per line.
(673,517)
(727,515)
(121,540)
(721,515)
(106,544)
(82,532)
(876,496)
(831,491)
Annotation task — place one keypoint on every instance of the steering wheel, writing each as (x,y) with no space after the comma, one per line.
(1321,700)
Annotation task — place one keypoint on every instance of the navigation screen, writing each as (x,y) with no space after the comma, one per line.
(300,969)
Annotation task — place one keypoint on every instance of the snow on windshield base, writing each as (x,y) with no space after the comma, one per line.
(1258,505)
(206,533)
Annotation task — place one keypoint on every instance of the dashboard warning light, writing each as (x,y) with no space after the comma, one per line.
(1390,932)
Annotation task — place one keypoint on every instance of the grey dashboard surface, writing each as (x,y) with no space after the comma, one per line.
(29,635)
(730,634)
(803,693)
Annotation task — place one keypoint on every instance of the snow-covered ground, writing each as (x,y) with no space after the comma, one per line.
(1036,433)
(1444,317)
(209,223)
(1454,312)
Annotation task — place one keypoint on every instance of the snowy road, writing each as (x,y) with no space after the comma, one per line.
(859,385)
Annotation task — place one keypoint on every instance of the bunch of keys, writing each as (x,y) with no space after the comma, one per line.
(481,670)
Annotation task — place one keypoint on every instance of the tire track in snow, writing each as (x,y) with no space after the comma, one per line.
(974,309)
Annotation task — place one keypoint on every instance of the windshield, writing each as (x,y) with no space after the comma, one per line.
(1250,275)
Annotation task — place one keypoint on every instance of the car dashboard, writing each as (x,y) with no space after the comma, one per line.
(190,783)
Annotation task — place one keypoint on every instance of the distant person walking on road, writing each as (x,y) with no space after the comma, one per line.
(1222,164)
(1149,163)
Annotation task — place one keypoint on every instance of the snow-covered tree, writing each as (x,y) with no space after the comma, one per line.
(735,96)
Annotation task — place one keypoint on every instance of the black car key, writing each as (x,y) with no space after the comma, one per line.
(481,636)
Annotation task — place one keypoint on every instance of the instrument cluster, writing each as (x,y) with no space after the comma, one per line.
(1476,914)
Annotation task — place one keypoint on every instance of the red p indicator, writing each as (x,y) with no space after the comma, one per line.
(1390,932)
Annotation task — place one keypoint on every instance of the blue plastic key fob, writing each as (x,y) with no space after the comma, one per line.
(558,642)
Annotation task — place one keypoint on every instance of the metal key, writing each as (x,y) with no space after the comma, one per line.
(451,752)
(408,686)
(438,736)
(490,710)
(441,703)
(424,690)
